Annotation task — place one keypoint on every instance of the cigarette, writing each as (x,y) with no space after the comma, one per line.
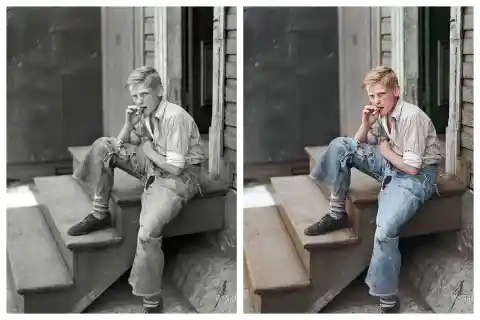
(139,110)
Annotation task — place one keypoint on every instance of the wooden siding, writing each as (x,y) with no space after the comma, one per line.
(230,129)
(386,36)
(466,136)
(149,36)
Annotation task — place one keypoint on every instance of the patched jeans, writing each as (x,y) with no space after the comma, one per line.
(163,197)
(399,199)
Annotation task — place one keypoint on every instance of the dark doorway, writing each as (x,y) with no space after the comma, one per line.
(434,64)
(197,67)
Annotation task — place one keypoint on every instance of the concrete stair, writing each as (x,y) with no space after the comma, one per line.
(52,272)
(275,244)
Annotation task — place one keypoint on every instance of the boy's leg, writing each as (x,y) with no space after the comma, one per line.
(97,169)
(397,203)
(333,168)
(161,202)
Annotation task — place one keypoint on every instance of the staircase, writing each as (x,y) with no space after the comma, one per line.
(288,272)
(52,272)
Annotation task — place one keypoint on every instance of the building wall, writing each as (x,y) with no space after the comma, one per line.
(466,140)
(54,85)
(230,103)
(386,37)
(467,89)
(149,37)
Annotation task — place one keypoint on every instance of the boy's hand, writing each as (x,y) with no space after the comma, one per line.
(133,114)
(369,115)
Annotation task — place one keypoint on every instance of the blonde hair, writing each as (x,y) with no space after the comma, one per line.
(382,75)
(145,75)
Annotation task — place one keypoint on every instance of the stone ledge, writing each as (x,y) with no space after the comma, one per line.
(206,276)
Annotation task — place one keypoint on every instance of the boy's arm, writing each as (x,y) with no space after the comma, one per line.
(178,131)
(414,146)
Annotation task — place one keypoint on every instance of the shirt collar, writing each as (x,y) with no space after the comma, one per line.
(398,110)
(161,108)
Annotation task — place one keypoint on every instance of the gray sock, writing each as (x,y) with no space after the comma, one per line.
(337,206)
(388,302)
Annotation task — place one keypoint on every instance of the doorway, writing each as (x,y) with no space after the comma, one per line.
(197,63)
(434,65)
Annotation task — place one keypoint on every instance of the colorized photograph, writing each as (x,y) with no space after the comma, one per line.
(358,159)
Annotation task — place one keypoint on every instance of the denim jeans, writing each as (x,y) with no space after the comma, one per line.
(399,199)
(161,201)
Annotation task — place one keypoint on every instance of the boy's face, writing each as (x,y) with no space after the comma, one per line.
(145,98)
(383,98)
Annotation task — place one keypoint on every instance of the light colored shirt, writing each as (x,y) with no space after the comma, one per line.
(175,135)
(413,135)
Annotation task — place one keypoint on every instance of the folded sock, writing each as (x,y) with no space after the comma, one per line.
(100,215)
(151,302)
(99,209)
(337,206)
(388,302)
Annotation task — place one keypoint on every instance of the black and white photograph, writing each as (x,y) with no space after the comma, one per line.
(121,159)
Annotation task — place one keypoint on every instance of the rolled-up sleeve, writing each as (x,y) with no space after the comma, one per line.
(178,136)
(415,140)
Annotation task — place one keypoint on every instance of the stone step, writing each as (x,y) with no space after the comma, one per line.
(273,267)
(65,204)
(272,260)
(441,213)
(36,265)
(127,192)
(300,204)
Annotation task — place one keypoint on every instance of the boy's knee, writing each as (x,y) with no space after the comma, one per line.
(146,234)
(341,144)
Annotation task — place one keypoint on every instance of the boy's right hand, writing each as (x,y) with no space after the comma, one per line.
(369,115)
(133,114)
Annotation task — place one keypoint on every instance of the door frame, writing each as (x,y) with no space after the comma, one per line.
(215,145)
(405,63)
(452,158)
(405,58)
(160,24)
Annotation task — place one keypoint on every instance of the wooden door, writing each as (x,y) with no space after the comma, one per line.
(435,64)
(199,67)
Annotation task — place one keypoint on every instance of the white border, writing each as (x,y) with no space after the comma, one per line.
(239,140)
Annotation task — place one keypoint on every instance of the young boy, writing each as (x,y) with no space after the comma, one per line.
(397,145)
(160,145)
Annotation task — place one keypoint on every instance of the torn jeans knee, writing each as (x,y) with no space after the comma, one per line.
(333,166)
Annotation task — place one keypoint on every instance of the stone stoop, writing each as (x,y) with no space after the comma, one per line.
(204,274)
(52,272)
(276,247)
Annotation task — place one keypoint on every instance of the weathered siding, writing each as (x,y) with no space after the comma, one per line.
(467,89)
(230,132)
(386,37)
(149,36)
